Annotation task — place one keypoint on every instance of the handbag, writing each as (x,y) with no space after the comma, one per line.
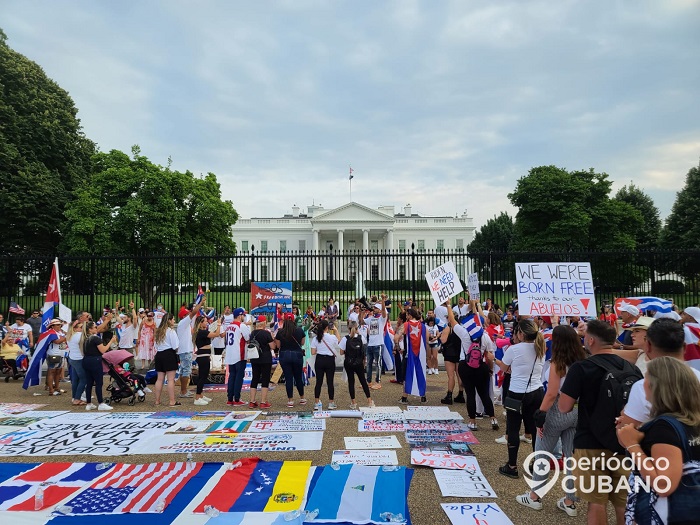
(252,349)
(516,405)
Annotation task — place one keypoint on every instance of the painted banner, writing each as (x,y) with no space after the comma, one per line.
(229,428)
(370,425)
(364,457)
(444,282)
(443,460)
(439,415)
(475,514)
(562,289)
(191,427)
(244,442)
(272,415)
(265,296)
(473,286)
(373,442)
(463,484)
(289,425)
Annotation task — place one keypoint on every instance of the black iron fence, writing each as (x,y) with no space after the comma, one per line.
(89,283)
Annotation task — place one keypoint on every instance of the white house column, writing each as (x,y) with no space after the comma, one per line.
(365,240)
(389,246)
(341,259)
(365,251)
(315,242)
(315,264)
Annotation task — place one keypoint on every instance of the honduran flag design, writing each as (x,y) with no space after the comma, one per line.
(260,486)
(645,303)
(358,494)
(692,344)
(388,352)
(58,480)
(415,343)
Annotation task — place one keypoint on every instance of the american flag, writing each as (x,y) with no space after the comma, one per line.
(134,488)
(16,309)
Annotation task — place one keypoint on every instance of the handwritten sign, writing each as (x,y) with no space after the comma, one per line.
(368,458)
(562,289)
(473,285)
(244,442)
(444,282)
(370,425)
(289,425)
(463,484)
(444,460)
(475,514)
(371,442)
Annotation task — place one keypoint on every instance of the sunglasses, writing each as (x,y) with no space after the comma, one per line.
(149,315)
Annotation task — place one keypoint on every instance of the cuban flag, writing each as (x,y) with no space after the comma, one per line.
(260,486)
(388,352)
(645,303)
(53,297)
(415,343)
(59,481)
(547,334)
(357,493)
(502,345)
(33,376)
(692,344)
(474,326)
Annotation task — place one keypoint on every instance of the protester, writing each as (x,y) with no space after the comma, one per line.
(323,346)
(433,333)
(35,321)
(352,347)
(146,347)
(185,352)
(451,348)
(638,356)
(628,316)
(666,448)
(235,335)
(202,342)
(375,339)
(289,340)
(608,315)
(78,378)
(399,350)
(414,337)
(166,343)
(553,425)
(93,348)
(54,359)
(9,353)
(262,365)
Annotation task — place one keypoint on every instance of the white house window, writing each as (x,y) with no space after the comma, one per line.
(244,246)
(263,246)
(283,247)
(440,245)
(402,245)
(459,245)
(374,245)
(421,245)
(302,245)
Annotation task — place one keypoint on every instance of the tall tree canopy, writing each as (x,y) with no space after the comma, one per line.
(42,153)
(646,237)
(558,209)
(496,235)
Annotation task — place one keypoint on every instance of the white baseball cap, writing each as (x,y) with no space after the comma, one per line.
(693,312)
(630,309)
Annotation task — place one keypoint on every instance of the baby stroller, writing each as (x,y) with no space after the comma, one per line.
(9,371)
(125,385)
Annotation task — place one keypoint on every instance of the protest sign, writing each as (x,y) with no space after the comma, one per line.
(475,514)
(444,282)
(211,415)
(243,415)
(463,484)
(265,296)
(192,427)
(454,427)
(444,460)
(16,408)
(368,458)
(370,425)
(436,415)
(451,447)
(459,434)
(373,442)
(244,442)
(288,415)
(473,286)
(227,427)
(289,425)
(372,410)
(426,408)
(562,289)
(397,417)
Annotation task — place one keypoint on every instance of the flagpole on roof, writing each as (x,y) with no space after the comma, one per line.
(351,177)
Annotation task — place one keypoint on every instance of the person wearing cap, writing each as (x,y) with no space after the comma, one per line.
(638,356)
(375,340)
(185,352)
(628,316)
(54,358)
(262,366)
(236,335)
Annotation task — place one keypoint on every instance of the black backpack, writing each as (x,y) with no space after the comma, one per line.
(613,395)
(354,351)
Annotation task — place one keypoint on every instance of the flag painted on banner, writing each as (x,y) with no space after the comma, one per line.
(265,296)
(260,486)
(645,303)
(255,518)
(692,344)
(59,481)
(134,488)
(33,376)
(358,494)
(415,343)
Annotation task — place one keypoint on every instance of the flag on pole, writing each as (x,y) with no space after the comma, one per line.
(53,297)
(351,175)
(645,303)
(16,309)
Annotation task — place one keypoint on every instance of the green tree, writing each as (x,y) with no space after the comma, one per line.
(646,237)
(43,152)
(131,206)
(496,235)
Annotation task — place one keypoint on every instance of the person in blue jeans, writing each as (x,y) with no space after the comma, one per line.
(290,343)
(375,339)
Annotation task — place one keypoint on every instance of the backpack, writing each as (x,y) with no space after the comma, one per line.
(354,351)
(253,349)
(613,394)
(474,355)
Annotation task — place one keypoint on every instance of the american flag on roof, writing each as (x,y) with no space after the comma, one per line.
(15,308)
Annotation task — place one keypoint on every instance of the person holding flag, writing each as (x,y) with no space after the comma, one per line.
(415,343)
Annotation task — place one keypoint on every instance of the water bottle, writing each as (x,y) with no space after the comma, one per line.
(392,518)
(160,506)
(390,468)
(291,515)
(311,515)
(63,509)
(335,466)
(103,466)
(39,498)
(211,511)
(189,457)
(234,466)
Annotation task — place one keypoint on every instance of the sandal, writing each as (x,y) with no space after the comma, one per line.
(177,404)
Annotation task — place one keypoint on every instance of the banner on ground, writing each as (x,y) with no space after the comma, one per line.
(432,415)
(265,296)
(370,425)
(475,514)
(459,435)
(364,457)
(444,282)
(371,442)
(444,460)
(562,289)
(230,428)
(290,425)
(463,484)
(244,442)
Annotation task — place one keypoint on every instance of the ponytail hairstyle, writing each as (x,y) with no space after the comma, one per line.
(321,329)
(197,322)
(532,334)
(159,334)
(87,326)
(353,329)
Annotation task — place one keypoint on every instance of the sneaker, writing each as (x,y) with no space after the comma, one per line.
(472,426)
(265,405)
(436,372)
(104,406)
(494,423)
(318,406)
(503,440)
(507,471)
(569,509)
(90,406)
(83,398)
(302,401)
(459,398)
(229,403)
(403,401)
(430,371)
(187,394)
(238,403)
(527,501)
(252,405)
(201,402)
(371,404)
(353,406)
(423,399)
(148,390)
(479,415)
(525,439)
(290,404)
(56,393)
(332,406)
(207,399)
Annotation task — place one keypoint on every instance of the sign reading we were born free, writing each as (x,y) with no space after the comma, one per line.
(562,289)
(444,282)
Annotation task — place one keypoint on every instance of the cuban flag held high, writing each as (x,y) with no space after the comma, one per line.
(645,303)
(474,326)
(388,352)
(692,344)
(415,342)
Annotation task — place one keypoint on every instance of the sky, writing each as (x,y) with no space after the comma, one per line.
(440,104)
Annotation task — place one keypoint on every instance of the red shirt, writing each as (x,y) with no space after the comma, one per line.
(610,318)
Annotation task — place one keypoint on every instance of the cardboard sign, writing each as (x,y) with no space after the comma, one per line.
(368,458)
(444,282)
(463,484)
(289,425)
(475,514)
(473,285)
(562,289)
(373,442)
(444,460)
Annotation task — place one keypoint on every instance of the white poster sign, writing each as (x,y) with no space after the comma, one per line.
(562,289)
(463,484)
(191,427)
(473,286)
(438,415)
(368,458)
(244,442)
(373,410)
(475,514)
(289,425)
(426,408)
(371,442)
(369,425)
(444,282)
(444,460)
